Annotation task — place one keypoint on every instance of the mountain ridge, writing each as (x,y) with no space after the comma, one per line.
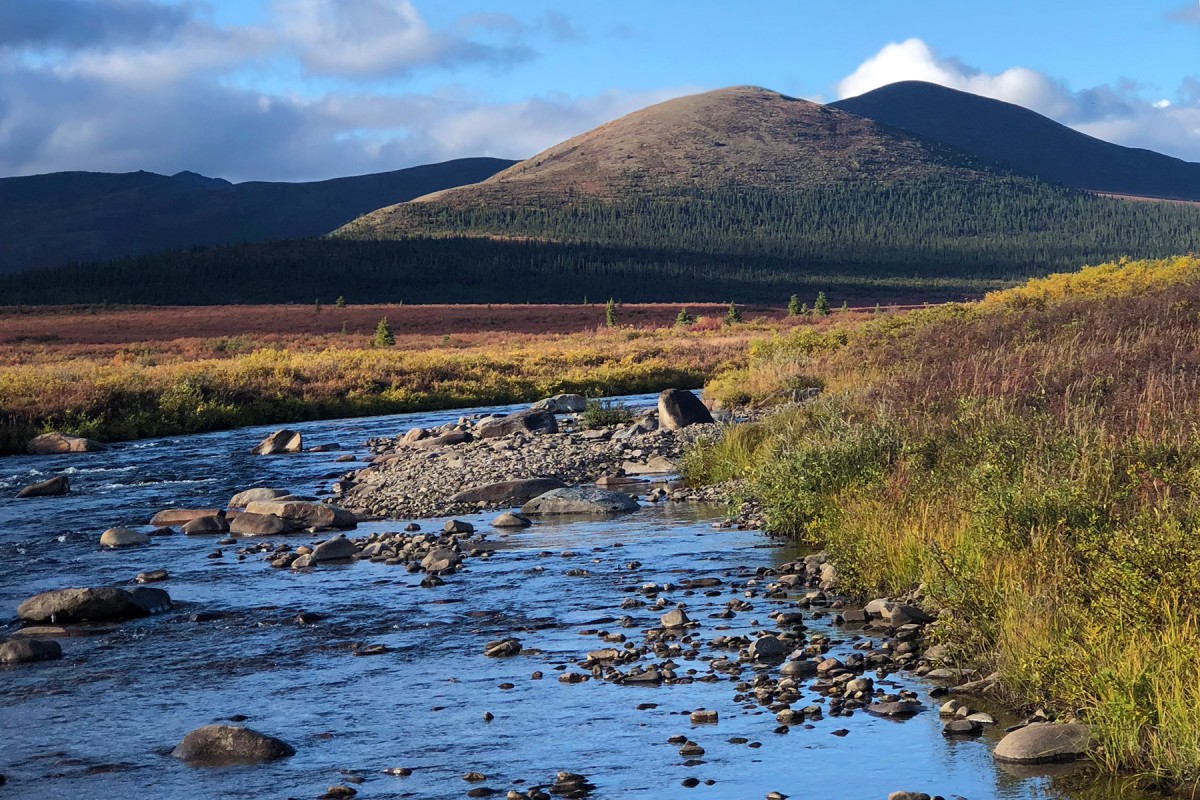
(1023,140)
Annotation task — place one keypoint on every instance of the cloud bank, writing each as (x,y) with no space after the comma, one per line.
(1115,113)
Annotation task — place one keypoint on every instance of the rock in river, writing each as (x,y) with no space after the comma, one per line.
(521,422)
(73,605)
(337,549)
(209,523)
(580,500)
(50,444)
(678,408)
(561,404)
(282,441)
(1044,743)
(52,487)
(511,493)
(216,745)
(510,520)
(123,537)
(247,524)
(305,514)
(21,651)
(243,499)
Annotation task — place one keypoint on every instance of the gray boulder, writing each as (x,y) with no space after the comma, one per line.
(209,523)
(52,487)
(180,516)
(247,524)
(74,605)
(1044,743)
(894,708)
(338,548)
(678,408)
(243,499)
(768,647)
(445,440)
(123,537)
(582,500)
(217,745)
(23,651)
(508,493)
(520,422)
(281,441)
(52,444)
(510,520)
(561,404)
(304,514)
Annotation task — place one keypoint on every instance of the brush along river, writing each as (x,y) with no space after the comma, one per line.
(286,653)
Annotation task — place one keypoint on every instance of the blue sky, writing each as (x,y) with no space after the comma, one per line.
(308,89)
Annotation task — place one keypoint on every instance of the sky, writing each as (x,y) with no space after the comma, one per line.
(313,89)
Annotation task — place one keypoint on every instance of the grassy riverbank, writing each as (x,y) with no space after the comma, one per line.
(87,381)
(1032,463)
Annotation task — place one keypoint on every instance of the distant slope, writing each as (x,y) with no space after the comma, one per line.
(1025,141)
(85,216)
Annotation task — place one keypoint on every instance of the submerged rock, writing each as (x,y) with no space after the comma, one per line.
(217,745)
(74,605)
(25,650)
(51,487)
(580,500)
(123,537)
(1044,743)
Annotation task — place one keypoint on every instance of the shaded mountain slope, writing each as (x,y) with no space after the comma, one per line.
(1026,141)
(83,216)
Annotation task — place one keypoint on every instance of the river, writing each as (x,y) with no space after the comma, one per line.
(99,722)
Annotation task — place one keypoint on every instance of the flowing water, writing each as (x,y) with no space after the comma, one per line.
(99,722)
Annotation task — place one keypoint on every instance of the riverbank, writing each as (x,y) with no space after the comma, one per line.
(1029,463)
(108,383)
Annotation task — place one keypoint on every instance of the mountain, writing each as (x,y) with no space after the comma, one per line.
(1025,141)
(743,137)
(739,194)
(85,216)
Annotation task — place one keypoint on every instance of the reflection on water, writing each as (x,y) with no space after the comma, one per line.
(96,723)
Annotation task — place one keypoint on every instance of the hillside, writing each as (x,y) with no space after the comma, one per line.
(739,194)
(86,216)
(1025,141)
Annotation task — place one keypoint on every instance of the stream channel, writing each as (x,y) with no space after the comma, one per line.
(100,722)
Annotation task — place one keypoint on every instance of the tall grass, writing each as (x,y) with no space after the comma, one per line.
(1031,464)
(126,398)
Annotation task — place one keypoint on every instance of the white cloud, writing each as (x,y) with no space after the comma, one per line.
(375,38)
(1114,113)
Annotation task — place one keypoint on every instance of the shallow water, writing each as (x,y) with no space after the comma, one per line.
(96,723)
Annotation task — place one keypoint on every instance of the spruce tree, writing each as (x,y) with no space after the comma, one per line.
(610,314)
(845,305)
(383,334)
(821,305)
(340,302)
(684,318)
(793,307)
(734,315)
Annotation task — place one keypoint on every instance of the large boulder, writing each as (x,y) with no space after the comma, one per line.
(209,523)
(243,499)
(508,493)
(52,487)
(584,500)
(282,441)
(217,745)
(247,524)
(1044,743)
(305,514)
(22,650)
(445,440)
(123,537)
(678,408)
(74,605)
(180,516)
(52,444)
(338,548)
(520,422)
(561,404)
